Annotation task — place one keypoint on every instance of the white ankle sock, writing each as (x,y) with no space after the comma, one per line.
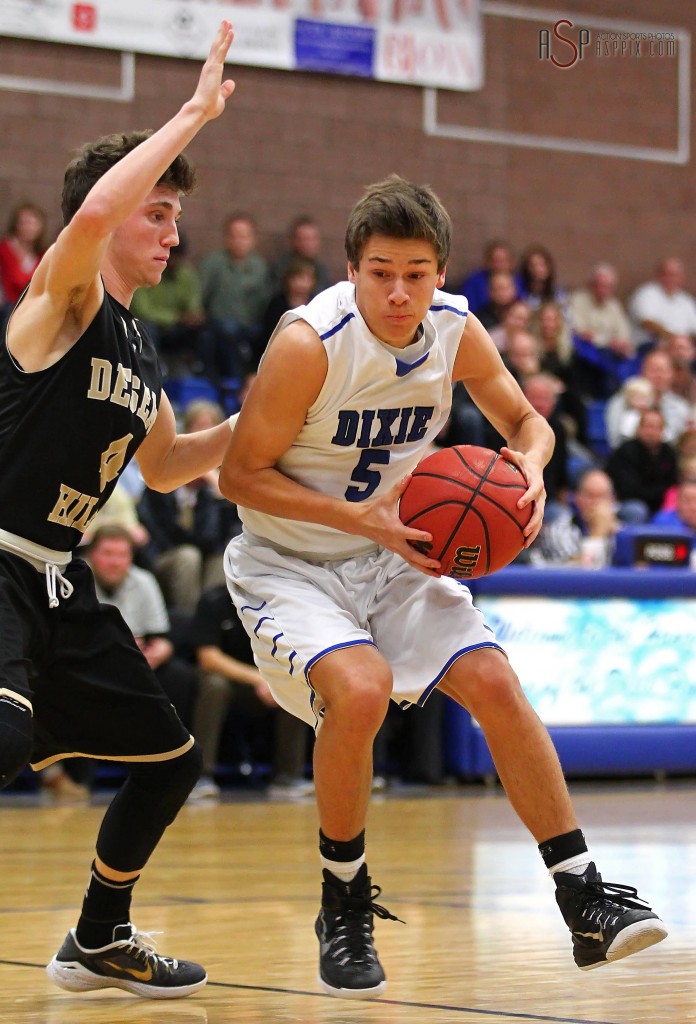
(345,870)
(573,865)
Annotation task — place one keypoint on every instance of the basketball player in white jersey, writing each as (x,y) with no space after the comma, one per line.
(343,612)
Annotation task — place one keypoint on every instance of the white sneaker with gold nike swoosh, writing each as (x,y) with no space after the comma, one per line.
(129,962)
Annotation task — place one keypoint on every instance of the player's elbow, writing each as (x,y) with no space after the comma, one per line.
(230,483)
(94,218)
(156,478)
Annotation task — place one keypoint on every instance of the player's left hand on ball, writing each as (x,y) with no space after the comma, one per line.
(533,474)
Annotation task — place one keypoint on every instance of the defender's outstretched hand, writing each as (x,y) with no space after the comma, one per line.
(212,92)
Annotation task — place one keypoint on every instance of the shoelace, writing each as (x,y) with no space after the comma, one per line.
(353,930)
(53,575)
(623,897)
(144,946)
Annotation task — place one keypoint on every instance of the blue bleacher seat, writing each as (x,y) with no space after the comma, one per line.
(596,426)
(182,390)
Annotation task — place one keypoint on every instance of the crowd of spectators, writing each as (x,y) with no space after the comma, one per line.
(614,379)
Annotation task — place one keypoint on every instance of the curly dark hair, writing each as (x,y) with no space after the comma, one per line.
(94,159)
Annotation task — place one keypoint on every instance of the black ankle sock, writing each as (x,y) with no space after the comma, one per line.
(563,847)
(335,849)
(106,904)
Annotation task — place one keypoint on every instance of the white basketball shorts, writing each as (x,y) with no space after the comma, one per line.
(296,611)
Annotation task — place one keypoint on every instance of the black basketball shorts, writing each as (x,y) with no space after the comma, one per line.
(91,690)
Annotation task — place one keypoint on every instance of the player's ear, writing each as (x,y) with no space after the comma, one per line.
(351,272)
(441,275)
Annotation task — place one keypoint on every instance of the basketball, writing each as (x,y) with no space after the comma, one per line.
(466,497)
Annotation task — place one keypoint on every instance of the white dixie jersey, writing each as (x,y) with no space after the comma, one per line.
(378,408)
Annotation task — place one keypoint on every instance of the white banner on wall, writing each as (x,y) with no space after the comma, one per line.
(418,42)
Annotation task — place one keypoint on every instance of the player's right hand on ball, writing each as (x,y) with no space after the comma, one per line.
(379,520)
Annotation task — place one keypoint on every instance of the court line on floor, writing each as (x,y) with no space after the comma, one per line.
(273,990)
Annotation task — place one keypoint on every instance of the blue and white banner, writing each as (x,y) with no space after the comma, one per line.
(605,661)
(417,42)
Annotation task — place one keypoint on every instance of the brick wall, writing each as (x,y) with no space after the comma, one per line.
(292,143)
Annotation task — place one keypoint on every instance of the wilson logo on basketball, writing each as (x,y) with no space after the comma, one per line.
(465,561)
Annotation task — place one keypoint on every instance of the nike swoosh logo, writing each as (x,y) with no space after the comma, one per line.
(599,936)
(141,975)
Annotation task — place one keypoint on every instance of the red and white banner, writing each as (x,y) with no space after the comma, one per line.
(417,42)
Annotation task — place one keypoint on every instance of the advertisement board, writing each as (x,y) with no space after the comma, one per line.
(600,661)
(418,42)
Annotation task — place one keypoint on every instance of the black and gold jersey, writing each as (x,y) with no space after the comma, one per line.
(67,432)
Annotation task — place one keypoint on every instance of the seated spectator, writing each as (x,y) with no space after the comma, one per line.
(189,527)
(137,596)
(21,250)
(236,287)
(229,679)
(304,242)
(538,276)
(686,473)
(686,443)
(604,353)
(173,312)
(502,293)
(634,396)
(297,287)
(523,357)
(656,367)
(683,515)
(516,318)
(681,349)
(591,513)
(597,316)
(497,256)
(549,328)
(662,307)
(644,468)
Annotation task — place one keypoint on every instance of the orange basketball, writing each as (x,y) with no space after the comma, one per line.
(466,497)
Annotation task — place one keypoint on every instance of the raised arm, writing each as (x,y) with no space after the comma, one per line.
(288,383)
(501,400)
(66,288)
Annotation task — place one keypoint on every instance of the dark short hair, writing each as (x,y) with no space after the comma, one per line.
(397,208)
(94,159)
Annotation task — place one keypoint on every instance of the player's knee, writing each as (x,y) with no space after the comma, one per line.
(16,738)
(361,700)
(489,687)
(183,775)
(167,784)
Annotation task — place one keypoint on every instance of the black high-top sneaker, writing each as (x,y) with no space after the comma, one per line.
(129,962)
(348,962)
(607,921)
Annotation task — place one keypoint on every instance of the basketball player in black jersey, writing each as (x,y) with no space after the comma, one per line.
(80,395)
